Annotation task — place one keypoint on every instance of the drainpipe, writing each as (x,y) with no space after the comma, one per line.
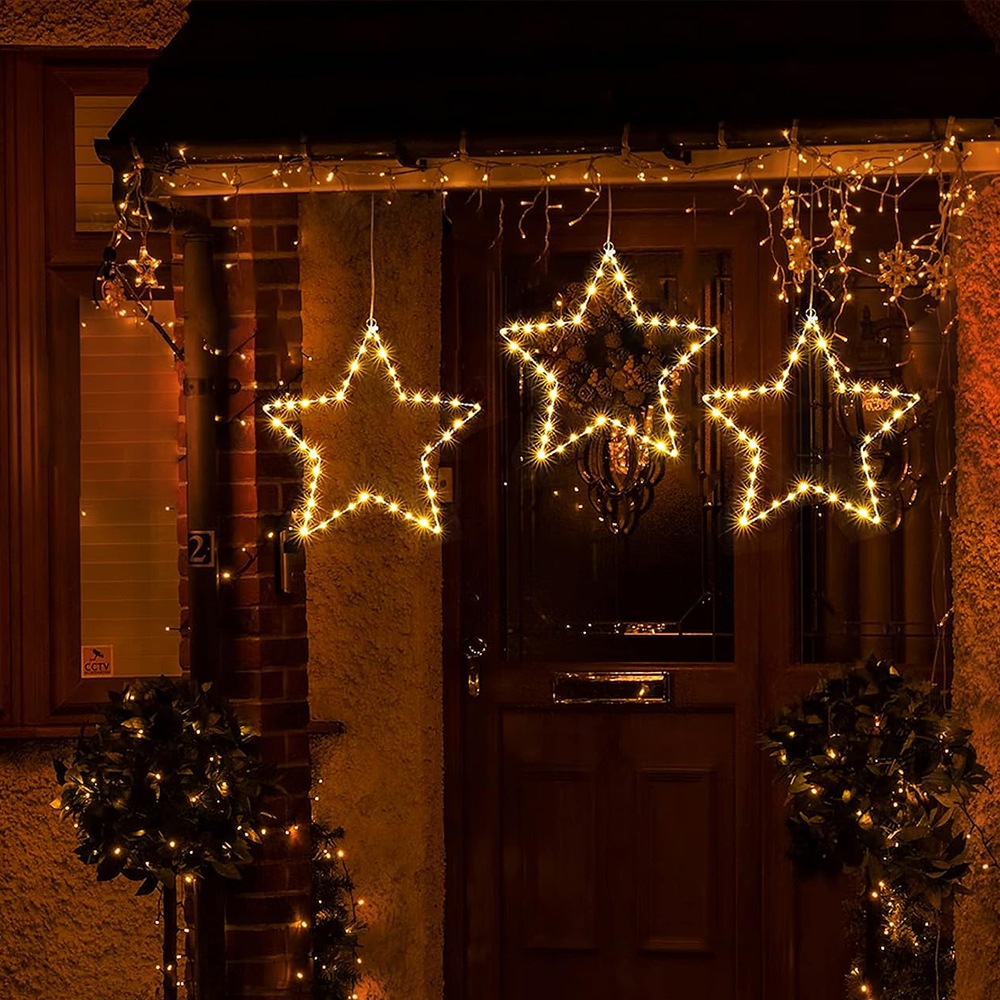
(204,377)
(205,387)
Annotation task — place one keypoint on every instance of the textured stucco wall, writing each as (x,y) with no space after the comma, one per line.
(141,23)
(63,935)
(976,569)
(374,588)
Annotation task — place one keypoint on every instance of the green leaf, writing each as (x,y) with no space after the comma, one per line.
(226,869)
(148,885)
(108,867)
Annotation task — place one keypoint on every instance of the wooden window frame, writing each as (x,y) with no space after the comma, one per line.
(65,245)
(47,266)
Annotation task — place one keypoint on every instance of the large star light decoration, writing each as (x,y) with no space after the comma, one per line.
(608,278)
(863,503)
(423,514)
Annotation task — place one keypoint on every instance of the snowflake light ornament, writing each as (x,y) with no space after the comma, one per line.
(113,294)
(939,277)
(897,269)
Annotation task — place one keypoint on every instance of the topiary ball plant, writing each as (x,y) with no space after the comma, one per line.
(878,773)
(879,779)
(169,784)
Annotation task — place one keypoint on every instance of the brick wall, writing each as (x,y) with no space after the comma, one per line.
(265,673)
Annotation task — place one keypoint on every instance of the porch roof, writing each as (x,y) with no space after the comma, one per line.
(249,80)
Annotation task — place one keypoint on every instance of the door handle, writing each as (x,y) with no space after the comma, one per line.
(473,651)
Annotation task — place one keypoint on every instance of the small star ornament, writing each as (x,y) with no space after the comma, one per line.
(842,229)
(799,255)
(145,266)
(422,509)
(787,206)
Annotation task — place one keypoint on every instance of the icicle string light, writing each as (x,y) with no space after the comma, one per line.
(608,278)
(284,413)
(843,187)
(722,402)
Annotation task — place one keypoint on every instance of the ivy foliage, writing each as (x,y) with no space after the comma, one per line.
(336,964)
(878,775)
(910,955)
(170,783)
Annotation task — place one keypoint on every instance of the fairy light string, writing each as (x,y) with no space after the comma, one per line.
(722,404)
(422,512)
(833,179)
(846,186)
(337,922)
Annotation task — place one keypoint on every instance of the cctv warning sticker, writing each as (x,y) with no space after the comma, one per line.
(97,661)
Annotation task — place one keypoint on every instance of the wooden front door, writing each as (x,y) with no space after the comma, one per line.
(596,846)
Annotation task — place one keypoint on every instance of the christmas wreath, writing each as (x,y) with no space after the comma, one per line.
(879,778)
(608,364)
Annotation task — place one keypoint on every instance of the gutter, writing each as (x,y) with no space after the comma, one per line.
(675,142)
(478,162)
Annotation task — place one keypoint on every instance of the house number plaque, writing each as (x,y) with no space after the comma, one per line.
(201,548)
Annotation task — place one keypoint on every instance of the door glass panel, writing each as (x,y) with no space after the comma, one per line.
(864,590)
(662,591)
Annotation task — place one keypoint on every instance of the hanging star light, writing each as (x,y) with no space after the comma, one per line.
(842,230)
(609,279)
(145,266)
(787,206)
(863,504)
(799,255)
(424,514)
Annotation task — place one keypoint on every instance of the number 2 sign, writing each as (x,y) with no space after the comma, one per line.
(201,548)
